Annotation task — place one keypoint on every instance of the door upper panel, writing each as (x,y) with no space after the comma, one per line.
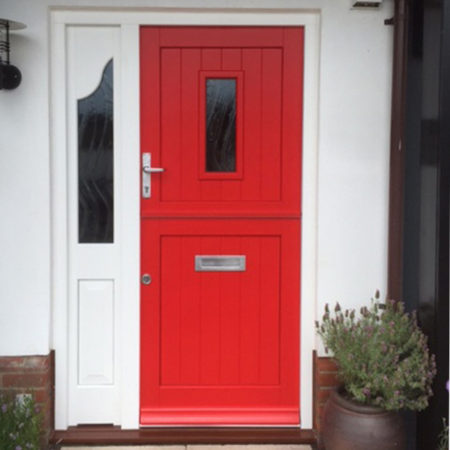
(195,82)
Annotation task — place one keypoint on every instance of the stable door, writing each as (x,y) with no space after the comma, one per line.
(221,133)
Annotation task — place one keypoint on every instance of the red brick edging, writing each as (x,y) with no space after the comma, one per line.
(324,381)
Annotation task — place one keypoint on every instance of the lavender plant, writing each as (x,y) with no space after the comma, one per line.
(382,355)
(443,437)
(20,423)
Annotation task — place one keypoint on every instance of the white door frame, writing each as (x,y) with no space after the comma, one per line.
(127,158)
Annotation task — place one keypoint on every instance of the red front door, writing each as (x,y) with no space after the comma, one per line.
(220,226)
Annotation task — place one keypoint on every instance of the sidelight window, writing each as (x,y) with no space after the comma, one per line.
(96,163)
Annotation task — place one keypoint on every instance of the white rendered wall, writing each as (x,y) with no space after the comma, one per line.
(354,126)
(24,189)
(353,167)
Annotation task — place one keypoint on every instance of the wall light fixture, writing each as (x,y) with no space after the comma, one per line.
(10,76)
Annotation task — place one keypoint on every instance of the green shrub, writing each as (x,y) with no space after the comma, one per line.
(382,355)
(20,423)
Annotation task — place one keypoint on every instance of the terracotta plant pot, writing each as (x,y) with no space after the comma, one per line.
(347,425)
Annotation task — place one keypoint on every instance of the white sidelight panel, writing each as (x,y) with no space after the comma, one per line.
(95,332)
(93,74)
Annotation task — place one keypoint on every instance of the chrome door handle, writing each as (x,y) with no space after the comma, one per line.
(147,171)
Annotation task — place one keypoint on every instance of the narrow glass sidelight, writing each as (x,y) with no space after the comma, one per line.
(96,163)
(220,125)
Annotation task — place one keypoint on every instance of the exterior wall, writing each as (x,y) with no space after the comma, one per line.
(356,59)
(354,124)
(354,120)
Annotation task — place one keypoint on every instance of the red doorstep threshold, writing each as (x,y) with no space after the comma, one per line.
(112,435)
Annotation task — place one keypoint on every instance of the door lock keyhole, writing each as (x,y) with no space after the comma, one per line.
(146,279)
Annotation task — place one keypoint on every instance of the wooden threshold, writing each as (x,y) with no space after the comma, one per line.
(112,435)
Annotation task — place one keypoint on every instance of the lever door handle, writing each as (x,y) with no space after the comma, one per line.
(147,171)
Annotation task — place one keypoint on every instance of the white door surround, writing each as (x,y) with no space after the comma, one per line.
(120,27)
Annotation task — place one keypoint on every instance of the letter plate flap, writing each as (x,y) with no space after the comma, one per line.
(220,263)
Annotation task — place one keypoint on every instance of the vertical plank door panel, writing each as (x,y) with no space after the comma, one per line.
(272,87)
(250,305)
(190,338)
(191,139)
(270,312)
(210,316)
(171,144)
(229,288)
(251,184)
(171,318)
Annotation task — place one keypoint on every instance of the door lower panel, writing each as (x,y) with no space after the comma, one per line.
(222,347)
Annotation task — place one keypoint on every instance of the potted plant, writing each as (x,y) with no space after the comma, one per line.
(383,366)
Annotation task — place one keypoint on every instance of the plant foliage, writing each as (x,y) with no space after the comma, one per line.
(382,355)
(443,437)
(20,423)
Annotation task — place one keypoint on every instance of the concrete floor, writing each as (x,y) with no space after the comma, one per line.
(195,447)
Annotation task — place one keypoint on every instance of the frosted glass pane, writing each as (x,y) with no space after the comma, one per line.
(220,125)
(95,163)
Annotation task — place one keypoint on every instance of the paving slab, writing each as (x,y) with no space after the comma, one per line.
(127,447)
(193,447)
(249,447)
